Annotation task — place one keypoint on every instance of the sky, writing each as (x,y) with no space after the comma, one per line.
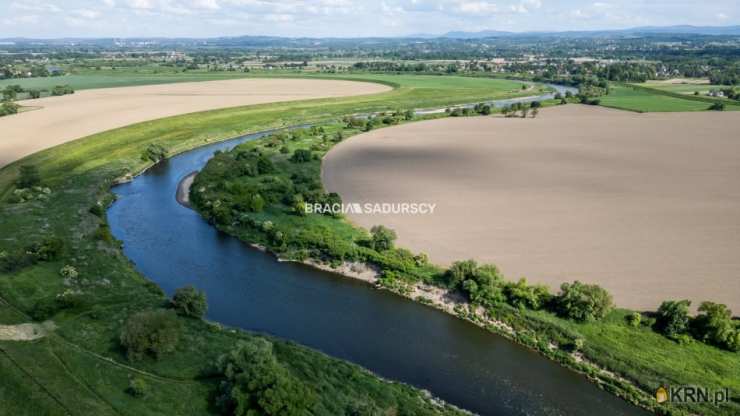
(344,18)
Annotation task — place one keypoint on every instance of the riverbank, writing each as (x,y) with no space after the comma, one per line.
(68,369)
(183,189)
(603,350)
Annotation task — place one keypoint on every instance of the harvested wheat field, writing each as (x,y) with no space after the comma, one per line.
(646,205)
(61,119)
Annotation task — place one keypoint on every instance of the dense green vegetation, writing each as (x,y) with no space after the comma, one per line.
(58,261)
(577,326)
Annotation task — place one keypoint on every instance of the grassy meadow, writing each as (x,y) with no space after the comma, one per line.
(80,367)
(642,100)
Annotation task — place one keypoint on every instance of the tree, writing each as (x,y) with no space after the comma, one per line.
(483,284)
(459,272)
(673,317)
(301,156)
(535,111)
(28,176)
(154,152)
(189,301)
(137,387)
(522,295)
(382,238)
(8,108)
(256,383)
(717,106)
(152,332)
(583,302)
(714,326)
(9,94)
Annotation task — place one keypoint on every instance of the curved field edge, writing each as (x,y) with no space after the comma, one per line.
(80,368)
(630,362)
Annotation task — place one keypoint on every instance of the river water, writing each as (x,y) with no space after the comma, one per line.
(392,336)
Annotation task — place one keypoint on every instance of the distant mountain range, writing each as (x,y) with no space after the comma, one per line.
(679,29)
(257,41)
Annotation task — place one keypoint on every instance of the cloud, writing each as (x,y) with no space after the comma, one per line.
(140,4)
(205,4)
(476,7)
(31,19)
(87,14)
(722,16)
(525,6)
(35,7)
(109,3)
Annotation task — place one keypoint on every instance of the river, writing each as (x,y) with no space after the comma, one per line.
(390,335)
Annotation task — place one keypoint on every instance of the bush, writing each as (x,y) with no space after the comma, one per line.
(28,176)
(188,301)
(137,387)
(301,156)
(68,272)
(717,106)
(673,318)
(583,302)
(8,108)
(714,326)
(521,295)
(154,152)
(382,238)
(256,383)
(62,90)
(153,332)
(634,319)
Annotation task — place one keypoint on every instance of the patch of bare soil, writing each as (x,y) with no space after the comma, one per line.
(646,205)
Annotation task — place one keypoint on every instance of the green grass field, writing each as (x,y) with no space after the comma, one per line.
(627,98)
(686,88)
(81,368)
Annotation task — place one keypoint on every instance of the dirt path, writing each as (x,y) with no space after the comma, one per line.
(647,205)
(25,332)
(86,112)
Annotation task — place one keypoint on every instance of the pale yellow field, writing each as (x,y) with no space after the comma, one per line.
(647,205)
(61,119)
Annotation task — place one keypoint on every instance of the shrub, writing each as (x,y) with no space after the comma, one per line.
(188,301)
(152,332)
(68,272)
(47,250)
(154,152)
(583,302)
(382,238)
(301,156)
(634,319)
(521,295)
(673,317)
(8,108)
(28,176)
(97,210)
(62,90)
(256,383)
(717,106)
(137,387)
(714,326)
